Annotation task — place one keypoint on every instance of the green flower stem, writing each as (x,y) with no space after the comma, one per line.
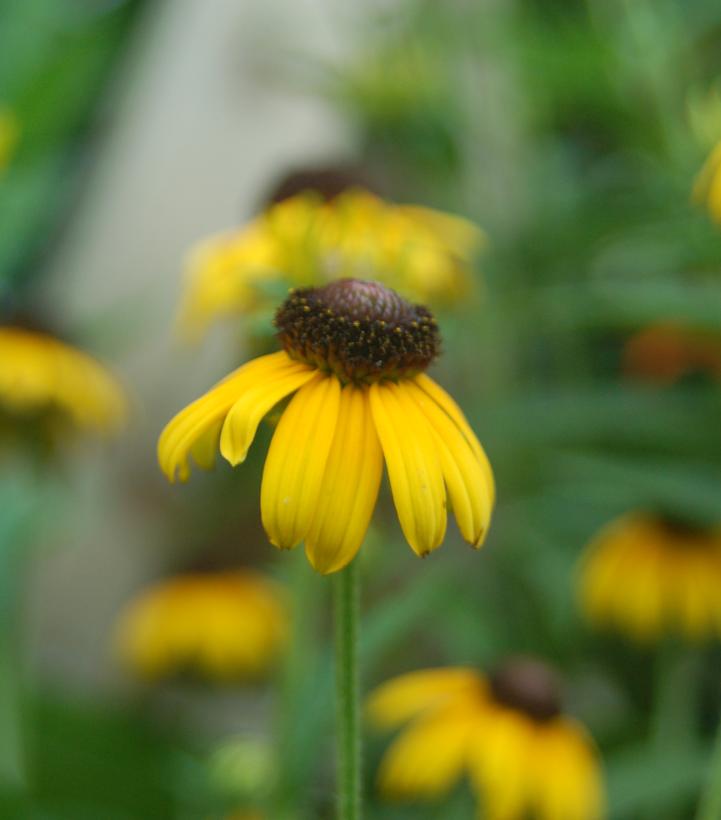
(11,743)
(709,807)
(676,697)
(297,729)
(346,609)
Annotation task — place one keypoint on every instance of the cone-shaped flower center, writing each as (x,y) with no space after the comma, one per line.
(361,331)
(529,686)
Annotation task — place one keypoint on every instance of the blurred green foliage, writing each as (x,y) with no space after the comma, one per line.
(55,63)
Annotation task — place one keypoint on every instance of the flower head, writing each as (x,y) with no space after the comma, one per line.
(525,758)
(40,374)
(354,355)
(307,240)
(665,353)
(224,625)
(648,575)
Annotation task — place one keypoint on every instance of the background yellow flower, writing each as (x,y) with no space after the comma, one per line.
(305,240)
(226,626)
(524,757)
(648,576)
(40,374)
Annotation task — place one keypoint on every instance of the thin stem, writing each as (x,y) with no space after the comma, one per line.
(294,731)
(709,807)
(675,702)
(346,606)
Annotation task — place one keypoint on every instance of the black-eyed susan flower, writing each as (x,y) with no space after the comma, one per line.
(224,626)
(308,240)
(666,353)
(506,731)
(354,357)
(40,374)
(648,575)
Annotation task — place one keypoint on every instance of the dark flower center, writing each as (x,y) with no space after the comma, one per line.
(681,527)
(528,686)
(361,331)
(327,181)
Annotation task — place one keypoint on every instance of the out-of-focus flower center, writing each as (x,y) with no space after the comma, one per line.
(528,686)
(682,530)
(361,331)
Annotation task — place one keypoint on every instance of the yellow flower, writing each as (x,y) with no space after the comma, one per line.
(647,575)
(665,353)
(9,135)
(225,625)
(39,374)
(506,731)
(306,240)
(707,186)
(354,357)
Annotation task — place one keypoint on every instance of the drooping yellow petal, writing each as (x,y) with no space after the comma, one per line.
(430,756)
(640,610)
(465,477)
(693,592)
(246,414)
(500,759)
(406,696)
(350,486)
(565,775)
(460,236)
(447,403)
(414,468)
(296,461)
(194,421)
(205,447)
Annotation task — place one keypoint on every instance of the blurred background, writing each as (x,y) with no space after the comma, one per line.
(571,133)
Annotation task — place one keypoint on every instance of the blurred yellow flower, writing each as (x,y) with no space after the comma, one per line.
(665,353)
(225,626)
(647,575)
(707,186)
(9,135)
(39,373)
(525,759)
(306,240)
(354,356)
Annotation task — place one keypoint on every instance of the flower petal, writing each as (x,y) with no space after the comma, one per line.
(430,756)
(466,479)
(500,760)
(350,486)
(406,696)
(565,776)
(245,415)
(205,447)
(296,461)
(447,403)
(190,424)
(413,466)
